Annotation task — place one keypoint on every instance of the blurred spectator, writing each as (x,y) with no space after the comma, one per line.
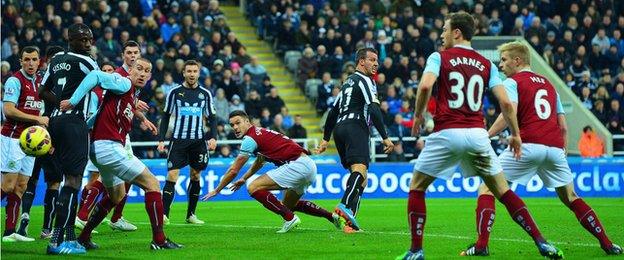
(246,86)
(287,122)
(257,71)
(242,58)
(265,118)
(170,28)
(615,111)
(225,152)
(228,85)
(490,116)
(599,111)
(307,67)
(387,117)
(324,92)
(394,102)
(253,106)
(222,106)
(274,102)
(278,124)
(236,104)
(297,130)
(397,129)
(398,154)
(590,145)
(586,98)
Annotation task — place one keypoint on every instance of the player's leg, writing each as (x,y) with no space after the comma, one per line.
(53,178)
(154,208)
(198,160)
(193,197)
(293,201)
(176,160)
(115,191)
(71,137)
(9,183)
(417,214)
(555,172)
(260,189)
(28,197)
(117,220)
(90,193)
(486,205)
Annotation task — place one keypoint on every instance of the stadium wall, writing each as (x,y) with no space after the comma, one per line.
(592,178)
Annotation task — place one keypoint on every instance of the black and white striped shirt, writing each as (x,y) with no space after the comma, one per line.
(63,76)
(356,95)
(189,106)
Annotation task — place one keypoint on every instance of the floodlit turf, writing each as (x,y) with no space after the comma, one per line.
(245,230)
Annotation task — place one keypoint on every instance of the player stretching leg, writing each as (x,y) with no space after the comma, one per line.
(191,103)
(295,172)
(52,179)
(112,124)
(355,105)
(22,107)
(543,151)
(459,137)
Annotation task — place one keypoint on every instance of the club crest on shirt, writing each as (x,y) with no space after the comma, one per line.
(201,95)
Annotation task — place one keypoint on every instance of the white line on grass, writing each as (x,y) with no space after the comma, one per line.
(377,232)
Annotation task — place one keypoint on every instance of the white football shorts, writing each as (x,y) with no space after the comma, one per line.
(114,163)
(296,175)
(549,163)
(14,160)
(447,148)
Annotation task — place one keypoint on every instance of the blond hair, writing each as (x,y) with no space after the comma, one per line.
(516,49)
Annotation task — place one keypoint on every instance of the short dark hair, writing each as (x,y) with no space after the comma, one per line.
(240,113)
(130,44)
(464,22)
(361,53)
(109,64)
(29,49)
(53,50)
(191,63)
(587,128)
(78,30)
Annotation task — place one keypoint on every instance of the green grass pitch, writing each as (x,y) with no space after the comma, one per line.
(245,230)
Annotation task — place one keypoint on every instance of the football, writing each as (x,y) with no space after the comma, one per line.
(35,141)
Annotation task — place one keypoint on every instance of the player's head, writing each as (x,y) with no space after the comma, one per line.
(80,38)
(366,60)
(190,72)
(457,27)
(130,52)
(53,50)
(140,72)
(514,57)
(29,59)
(239,121)
(107,67)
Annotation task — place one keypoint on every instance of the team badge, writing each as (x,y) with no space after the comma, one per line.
(201,95)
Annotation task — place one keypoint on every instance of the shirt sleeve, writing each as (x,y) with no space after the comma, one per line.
(210,107)
(248,146)
(12,89)
(559,106)
(113,82)
(433,64)
(511,86)
(495,79)
(170,103)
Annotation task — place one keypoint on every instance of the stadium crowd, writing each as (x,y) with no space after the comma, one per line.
(582,40)
(169,33)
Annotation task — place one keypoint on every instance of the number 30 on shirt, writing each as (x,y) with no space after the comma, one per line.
(475,83)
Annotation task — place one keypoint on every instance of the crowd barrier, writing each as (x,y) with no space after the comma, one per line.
(592,178)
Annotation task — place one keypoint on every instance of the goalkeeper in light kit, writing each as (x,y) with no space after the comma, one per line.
(111,125)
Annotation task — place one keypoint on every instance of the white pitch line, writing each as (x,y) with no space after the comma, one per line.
(376,232)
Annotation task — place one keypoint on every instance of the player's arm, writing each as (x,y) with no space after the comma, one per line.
(164,122)
(12,90)
(512,93)
(111,82)
(230,174)
(561,121)
(45,91)
(248,146)
(255,167)
(211,116)
(425,87)
(145,122)
(508,111)
(330,122)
